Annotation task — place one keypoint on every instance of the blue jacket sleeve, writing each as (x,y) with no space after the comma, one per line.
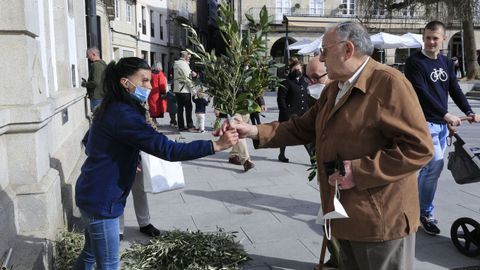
(417,77)
(131,128)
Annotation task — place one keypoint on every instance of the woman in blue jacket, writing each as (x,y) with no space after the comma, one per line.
(118,132)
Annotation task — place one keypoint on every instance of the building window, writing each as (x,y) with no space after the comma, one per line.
(144,56)
(127,53)
(316,7)
(152,59)
(379,9)
(408,11)
(116,53)
(282,8)
(152,25)
(128,12)
(70,8)
(161,26)
(144,21)
(164,58)
(116,8)
(348,7)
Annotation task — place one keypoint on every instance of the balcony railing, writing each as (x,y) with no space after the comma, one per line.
(278,13)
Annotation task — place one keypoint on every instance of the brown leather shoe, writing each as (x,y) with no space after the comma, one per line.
(235,160)
(248,165)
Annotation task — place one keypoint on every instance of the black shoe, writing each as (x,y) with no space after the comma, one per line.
(429,225)
(282,158)
(248,165)
(150,230)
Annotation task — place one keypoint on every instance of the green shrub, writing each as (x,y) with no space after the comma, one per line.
(67,248)
(179,250)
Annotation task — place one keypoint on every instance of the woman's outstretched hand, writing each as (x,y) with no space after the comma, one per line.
(227,139)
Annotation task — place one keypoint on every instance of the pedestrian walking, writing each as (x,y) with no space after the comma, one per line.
(96,76)
(201,101)
(433,77)
(157,100)
(183,88)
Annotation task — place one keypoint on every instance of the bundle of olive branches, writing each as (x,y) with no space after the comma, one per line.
(238,77)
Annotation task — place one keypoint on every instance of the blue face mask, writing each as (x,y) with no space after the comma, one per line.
(140,94)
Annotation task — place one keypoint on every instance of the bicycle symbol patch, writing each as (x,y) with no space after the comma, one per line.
(438,74)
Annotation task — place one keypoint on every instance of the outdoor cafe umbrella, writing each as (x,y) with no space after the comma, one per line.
(312,46)
(299,44)
(413,40)
(384,40)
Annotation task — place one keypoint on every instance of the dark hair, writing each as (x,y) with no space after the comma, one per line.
(114,91)
(294,63)
(434,25)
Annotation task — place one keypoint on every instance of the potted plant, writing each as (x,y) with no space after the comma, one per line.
(241,75)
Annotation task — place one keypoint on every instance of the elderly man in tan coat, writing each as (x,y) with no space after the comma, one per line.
(370,118)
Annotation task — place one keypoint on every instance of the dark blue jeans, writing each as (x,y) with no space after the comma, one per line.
(102,244)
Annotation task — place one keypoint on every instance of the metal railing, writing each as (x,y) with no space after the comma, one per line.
(278,13)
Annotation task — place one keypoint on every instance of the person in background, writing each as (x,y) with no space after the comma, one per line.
(317,80)
(157,100)
(119,131)
(433,77)
(140,205)
(172,108)
(183,88)
(292,100)
(96,75)
(201,101)
(371,139)
(255,116)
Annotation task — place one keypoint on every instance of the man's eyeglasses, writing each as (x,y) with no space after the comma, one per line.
(314,78)
(323,50)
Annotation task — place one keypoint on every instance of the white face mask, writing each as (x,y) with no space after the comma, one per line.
(316,89)
(338,212)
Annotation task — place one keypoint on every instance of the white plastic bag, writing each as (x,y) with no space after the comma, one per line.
(160,175)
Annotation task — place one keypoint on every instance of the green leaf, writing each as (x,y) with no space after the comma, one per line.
(249,18)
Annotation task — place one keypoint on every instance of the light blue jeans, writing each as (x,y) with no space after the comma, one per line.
(102,244)
(428,175)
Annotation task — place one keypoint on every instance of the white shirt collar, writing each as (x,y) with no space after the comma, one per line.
(354,77)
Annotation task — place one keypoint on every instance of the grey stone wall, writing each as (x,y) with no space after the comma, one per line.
(42,120)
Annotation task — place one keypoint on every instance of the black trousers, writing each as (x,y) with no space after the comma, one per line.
(184,100)
(255,118)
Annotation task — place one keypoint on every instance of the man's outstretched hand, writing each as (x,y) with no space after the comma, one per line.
(245,130)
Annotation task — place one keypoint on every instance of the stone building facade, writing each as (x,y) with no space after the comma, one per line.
(43,117)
